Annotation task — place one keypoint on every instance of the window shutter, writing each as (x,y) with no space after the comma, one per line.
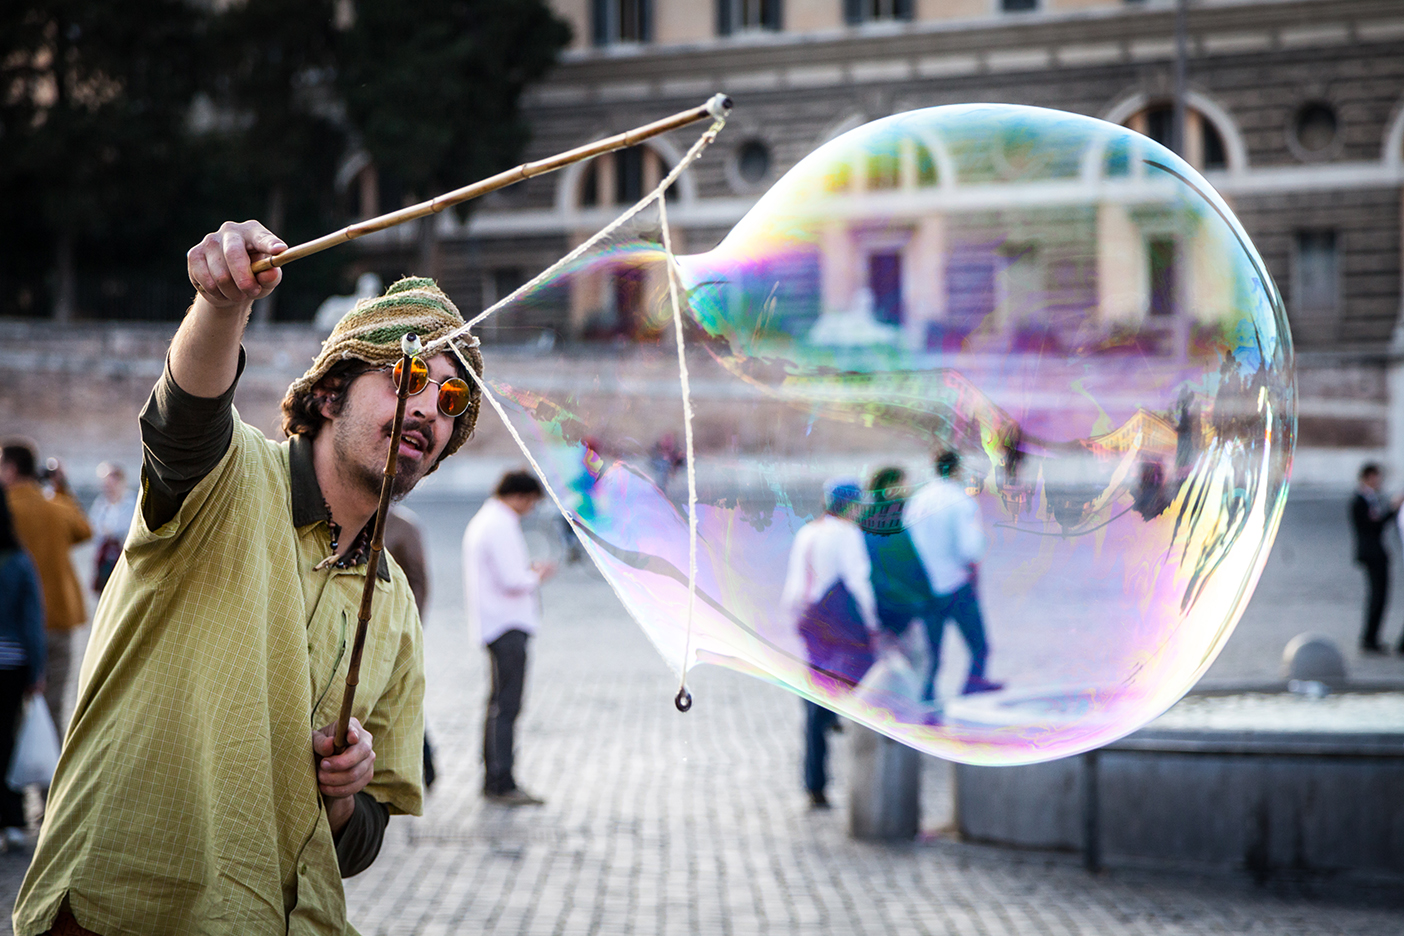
(599,21)
(770,14)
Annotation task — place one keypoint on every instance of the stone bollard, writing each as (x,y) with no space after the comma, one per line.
(884,801)
(1314,658)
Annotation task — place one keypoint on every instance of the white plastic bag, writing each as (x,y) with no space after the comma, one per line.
(36,747)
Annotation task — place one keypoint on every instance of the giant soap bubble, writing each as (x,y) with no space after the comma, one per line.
(1064,304)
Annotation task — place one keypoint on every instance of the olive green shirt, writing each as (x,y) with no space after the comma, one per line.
(186,798)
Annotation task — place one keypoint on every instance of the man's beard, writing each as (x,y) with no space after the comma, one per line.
(370,479)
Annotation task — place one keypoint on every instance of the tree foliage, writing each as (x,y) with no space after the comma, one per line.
(432,85)
(128,130)
(93,99)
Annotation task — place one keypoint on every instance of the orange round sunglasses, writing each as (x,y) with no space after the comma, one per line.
(454,394)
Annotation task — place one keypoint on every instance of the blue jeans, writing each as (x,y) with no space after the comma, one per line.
(817,723)
(962,605)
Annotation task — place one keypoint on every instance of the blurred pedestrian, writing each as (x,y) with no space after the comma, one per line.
(949,538)
(404,540)
(1370,513)
(664,459)
(900,584)
(501,584)
(829,592)
(111,519)
(22,650)
(582,495)
(49,524)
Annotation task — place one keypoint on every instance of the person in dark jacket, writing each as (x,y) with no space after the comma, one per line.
(1369,514)
(23,645)
(404,539)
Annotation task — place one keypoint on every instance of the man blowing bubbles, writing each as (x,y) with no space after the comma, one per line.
(198,790)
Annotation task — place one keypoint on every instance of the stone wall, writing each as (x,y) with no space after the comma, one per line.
(1251,67)
(78,391)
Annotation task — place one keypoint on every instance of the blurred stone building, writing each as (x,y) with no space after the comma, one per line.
(1295,114)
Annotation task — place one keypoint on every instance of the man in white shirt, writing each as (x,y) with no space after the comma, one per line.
(829,592)
(501,583)
(949,536)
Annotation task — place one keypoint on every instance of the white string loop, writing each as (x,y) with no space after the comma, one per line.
(691,459)
(684,698)
(705,140)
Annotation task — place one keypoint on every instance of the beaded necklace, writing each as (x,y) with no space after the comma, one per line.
(360,547)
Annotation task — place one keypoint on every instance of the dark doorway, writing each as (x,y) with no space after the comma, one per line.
(885,280)
(628,300)
(1162,277)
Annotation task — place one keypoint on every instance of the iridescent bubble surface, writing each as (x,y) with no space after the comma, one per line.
(1064,303)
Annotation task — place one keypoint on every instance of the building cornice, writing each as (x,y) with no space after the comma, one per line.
(926,50)
(725,212)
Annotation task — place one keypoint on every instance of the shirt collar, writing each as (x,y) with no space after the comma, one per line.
(308,505)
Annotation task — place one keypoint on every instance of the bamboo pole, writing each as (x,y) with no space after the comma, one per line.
(409,347)
(715,108)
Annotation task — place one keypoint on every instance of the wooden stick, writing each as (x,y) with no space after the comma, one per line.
(716,108)
(409,347)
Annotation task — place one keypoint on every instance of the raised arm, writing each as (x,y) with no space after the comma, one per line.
(187,423)
(205,352)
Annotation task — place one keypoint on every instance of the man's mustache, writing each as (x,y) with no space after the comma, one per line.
(421,427)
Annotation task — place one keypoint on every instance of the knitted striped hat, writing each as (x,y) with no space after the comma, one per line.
(371,332)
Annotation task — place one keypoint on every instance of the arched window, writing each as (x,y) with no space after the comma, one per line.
(1204,144)
(900,163)
(622,177)
(889,164)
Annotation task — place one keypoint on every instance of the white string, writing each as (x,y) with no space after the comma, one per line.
(705,140)
(687,434)
(516,437)
(688,159)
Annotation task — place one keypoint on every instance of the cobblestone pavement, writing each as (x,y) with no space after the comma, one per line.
(661,823)
(657,822)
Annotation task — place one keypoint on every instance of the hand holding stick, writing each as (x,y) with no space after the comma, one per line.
(410,347)
(716,108)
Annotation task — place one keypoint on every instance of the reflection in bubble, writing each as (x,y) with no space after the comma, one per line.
(1062,303)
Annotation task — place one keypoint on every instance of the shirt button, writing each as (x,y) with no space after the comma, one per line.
(303,868)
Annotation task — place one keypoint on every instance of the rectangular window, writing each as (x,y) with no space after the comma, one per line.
(628,175)
(741,15)
(1160,125)
(1162,277)
(1019,290)
(1316,282)
(498,283)
(505,280)
(590,185)
(864,11)
(885,168)
(616,21)
(1018,6)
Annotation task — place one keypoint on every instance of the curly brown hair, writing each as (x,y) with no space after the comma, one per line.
(302,413)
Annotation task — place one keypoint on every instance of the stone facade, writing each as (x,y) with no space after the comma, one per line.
(1297,117)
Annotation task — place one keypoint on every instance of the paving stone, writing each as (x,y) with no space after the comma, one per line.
(661,823)
(657,822)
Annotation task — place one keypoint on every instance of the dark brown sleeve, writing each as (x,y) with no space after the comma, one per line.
(361,837)
(183,437)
